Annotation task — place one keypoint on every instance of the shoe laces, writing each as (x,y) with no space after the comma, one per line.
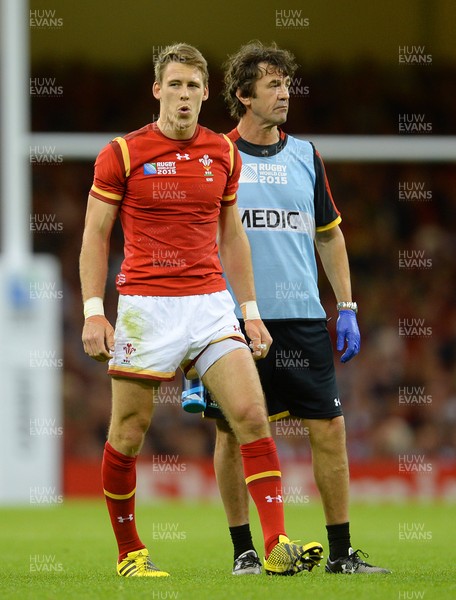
(141,562)
(354,556)
(144,563)
(248,559)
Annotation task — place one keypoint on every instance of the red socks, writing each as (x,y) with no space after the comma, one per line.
(263,479)
(118,473)
(262,476)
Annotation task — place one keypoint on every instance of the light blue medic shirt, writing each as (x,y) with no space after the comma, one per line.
(283,198)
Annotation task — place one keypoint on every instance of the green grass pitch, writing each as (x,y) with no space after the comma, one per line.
(67,551)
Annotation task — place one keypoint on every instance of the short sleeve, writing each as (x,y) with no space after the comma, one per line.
(326,212)
(109,176)
(229,194)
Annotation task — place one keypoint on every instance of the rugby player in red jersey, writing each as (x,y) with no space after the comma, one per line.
(173,185)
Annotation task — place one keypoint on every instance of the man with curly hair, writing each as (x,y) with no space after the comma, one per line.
(287,210)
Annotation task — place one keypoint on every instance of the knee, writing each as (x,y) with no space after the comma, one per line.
(128,433)
(328,434)
(251,421)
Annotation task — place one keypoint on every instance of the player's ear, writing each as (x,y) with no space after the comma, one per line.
(206,93)
(245,100)
(156,89)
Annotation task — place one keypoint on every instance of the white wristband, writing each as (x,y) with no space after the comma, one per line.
(250,310)
(93,306)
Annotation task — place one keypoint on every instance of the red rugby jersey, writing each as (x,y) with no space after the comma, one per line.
(170,193)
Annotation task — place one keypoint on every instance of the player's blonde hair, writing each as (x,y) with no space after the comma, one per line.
(181,53)
(242,71)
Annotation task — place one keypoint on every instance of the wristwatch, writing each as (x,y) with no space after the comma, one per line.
(347,305)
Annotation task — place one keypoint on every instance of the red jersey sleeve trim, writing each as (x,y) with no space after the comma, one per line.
(103,195)
(229,200)
(125,154)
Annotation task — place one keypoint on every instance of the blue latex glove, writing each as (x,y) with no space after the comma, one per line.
(348,331)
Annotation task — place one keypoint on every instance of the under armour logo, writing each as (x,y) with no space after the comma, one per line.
(123,519)
(336,402)
(276,498)
(347,569)
(182,156)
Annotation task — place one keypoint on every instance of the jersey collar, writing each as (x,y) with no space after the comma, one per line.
(261,150)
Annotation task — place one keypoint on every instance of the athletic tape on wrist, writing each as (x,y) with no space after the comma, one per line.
(93,306)
(250,310)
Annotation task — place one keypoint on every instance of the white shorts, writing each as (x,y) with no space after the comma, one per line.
(156,334)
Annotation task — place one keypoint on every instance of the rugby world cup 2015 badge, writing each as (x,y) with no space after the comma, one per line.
(150,168)
(206,162)
(160,168)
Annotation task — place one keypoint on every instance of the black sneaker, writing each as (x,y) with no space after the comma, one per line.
(247,563)
(351,564)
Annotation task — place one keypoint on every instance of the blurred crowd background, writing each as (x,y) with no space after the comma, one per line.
(399,394)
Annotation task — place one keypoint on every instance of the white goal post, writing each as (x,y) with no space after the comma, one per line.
(340,148)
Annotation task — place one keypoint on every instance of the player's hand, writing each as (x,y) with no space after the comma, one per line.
(259,336)
(98,338)
(348,332)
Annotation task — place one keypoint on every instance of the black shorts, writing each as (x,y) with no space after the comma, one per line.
(297,376)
